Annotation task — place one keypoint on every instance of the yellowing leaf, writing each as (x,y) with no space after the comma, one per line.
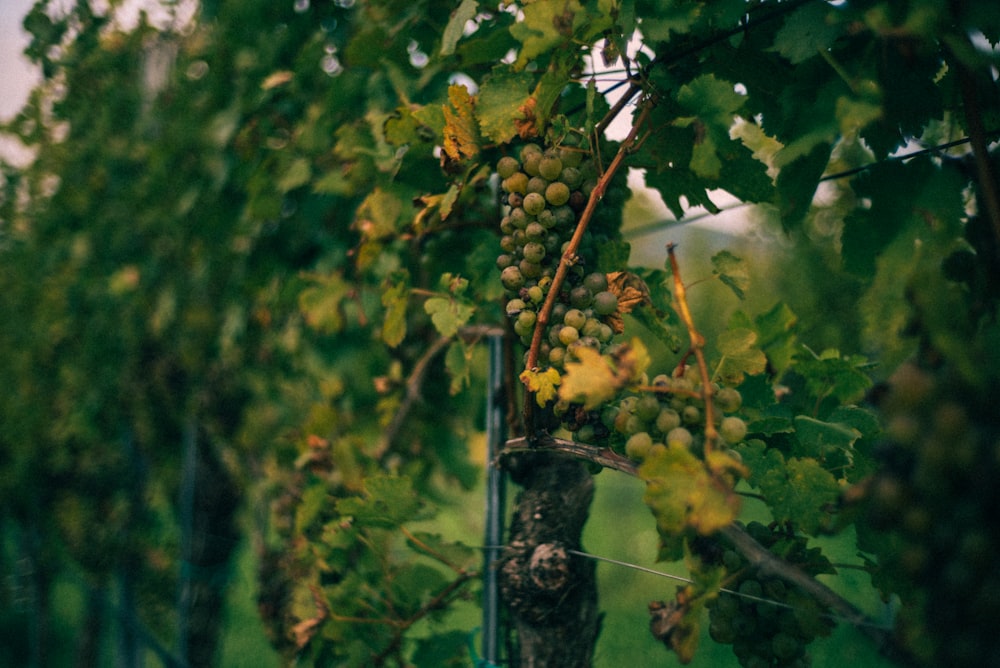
(682,493)
(320,302)
(395,299)
(740,355)
(591,381)
(542,383)
(461,134)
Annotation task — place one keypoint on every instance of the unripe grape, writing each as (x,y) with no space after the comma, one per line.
(535,231)
(527,318)
(648,407)
(533,252)
(530,164)
(733,430)
(580,297)
(519,218)
(596,281)
(680,436)
(528,149)
(592,328)
(515,306)
(637,446)
(522,329)
(550,168)
(565,217)
(516,183)
(507,166)
(691,415)
(557,356)
(504,260)
(572,177)
(533,204)
(529,269)
(547,219)
(568,335)
(606,333)
(557,193)
(535,294)
(728,399)
(605,303)
(537,184)
(570,157)
(667,420)
(511,278)
(575,318)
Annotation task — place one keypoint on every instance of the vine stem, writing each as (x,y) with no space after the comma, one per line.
(697,348)
(569,257)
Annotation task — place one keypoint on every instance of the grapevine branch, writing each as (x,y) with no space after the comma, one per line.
(758,555)
(697,348)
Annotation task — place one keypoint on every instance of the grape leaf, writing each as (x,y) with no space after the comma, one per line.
(457,360)
(457,556)
(456,25)
(819,438)
(448,649)
(591,381)
(461,132)
(740,355)
(800,492)
(448,314)
(807,31)
(797,182)
(320,302)
(831,375)
(732,271)
(546,25)
(395,298)
(542,383)
(500,97)
(386,501)
(682,493)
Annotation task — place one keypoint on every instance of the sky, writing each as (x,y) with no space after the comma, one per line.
(17,75)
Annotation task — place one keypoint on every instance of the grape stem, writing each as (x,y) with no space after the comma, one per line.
(697,348)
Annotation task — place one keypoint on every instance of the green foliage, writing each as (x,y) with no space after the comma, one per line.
(272,226)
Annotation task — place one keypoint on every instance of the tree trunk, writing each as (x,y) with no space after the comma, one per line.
(551,594)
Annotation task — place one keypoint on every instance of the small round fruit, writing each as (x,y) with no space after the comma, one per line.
(575,318)
(533,252)
(680,437)
(637,446)
(691,415)
(729,399)
(507,166)
(557,193)
(605,303)
(568,335)
(533,204)
(516,183)
(580,297)
(733,430)
(596,281)
(550,168)
(667,420)
(648,407)
(512,278)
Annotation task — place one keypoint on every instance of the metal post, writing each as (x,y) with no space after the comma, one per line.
(495,502)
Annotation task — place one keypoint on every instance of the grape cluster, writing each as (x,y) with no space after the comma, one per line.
(544,192)
(673,413)
(932,513)
(767,621)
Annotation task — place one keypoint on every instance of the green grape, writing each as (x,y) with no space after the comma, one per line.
(568,335)
(547,219)
(527,318)
(648,407)
(531,162)
(507,166)
(591,328)
(557,356)
(533,252)
(565,217)
(519,218)
(733,430)
(535,231)
(528,149)
(570,157)
(536,294)
(580,297)
(605,303)
(667,420)
(530,269)
(550,167)
(515,306)
(516,183)
(638,444)
(521,329)
(606,333)
(571,176)
(512,278)
(533,204)
(728,399)
(596,282)
(575,318)
(504,260)
(557,193)
(680,436)
(537,185)
(691,415)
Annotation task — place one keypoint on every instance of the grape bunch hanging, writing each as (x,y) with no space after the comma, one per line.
(544,192)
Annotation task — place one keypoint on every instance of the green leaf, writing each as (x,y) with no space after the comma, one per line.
(448,314)
(457,360)
(314,499)
(548,24)
(499,101)
(801,492)
(448,649)
(732,271)
(297,174)
(740,355)
(386,502)
(818,438)
(320,302)
(776,336)
(807,31)
(797,182)
(760,460)
(454,555)
(833,376)
(395,299)
(456,25)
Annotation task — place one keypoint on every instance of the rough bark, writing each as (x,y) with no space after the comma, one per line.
(551,594)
